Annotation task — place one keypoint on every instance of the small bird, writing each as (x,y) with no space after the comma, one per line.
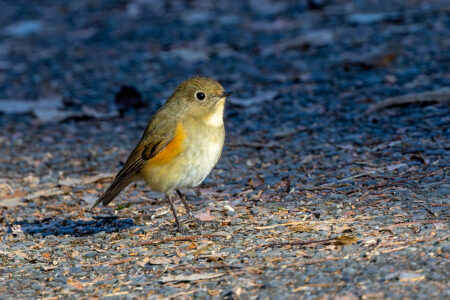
(181,144)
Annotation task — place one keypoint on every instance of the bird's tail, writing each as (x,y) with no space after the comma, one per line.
(115,188)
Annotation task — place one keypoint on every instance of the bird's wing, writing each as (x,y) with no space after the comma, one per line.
(159,133)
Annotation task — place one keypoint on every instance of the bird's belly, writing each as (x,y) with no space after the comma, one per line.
(203,159)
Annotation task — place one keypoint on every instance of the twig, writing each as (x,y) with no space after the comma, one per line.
(417,176)
(405,245)
(373,203)
(292,243)
(320,187)
(422,240)
(387,168)
(181,238)
(125,260)
(359,175)
(439,95)
(313,261)
(122,261)
(393,250)
(14,201)
(86,180)
(290,223)
(312,223)
(389,182)
(191,277)
(147,201)
(317,285)
(335,185)
(198,269)
(405,224)
(428,210)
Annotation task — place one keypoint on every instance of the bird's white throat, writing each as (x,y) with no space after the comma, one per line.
(215,119)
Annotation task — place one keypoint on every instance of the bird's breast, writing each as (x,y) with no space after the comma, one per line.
(203,150)
(189,160)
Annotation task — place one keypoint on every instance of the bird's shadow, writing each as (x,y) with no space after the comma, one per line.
(64,226)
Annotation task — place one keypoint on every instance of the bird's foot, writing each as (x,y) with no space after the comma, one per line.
(190,218)
(193,219)
(181,230)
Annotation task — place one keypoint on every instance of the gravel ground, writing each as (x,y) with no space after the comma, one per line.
(334,180)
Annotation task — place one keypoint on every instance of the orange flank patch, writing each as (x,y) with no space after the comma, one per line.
(173,148)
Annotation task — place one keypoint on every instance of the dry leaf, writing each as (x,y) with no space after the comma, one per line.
(317,285)
(192,246)
(345,240)
(376,58)
(99,250)
(202,250)
(16,194)
(373,296)
(410,277)
(290,223)
(330,247)
(342,228)
(255,182)
(15,201)
(191,277)
(73,182)
(49,268)
(348,214)
(214,292)
(238,291)
(348,296)
(204,215)
(253,270)
(302,228)
(19,253)
(275,259)
(121,261)
(322,227)
(116,294)
(143,262)
(75,283)
(215,256)
(164,260)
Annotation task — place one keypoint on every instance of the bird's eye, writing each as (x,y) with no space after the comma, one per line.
(200,96)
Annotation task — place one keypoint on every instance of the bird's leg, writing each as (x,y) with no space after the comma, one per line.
(186,205)
(183,199)
(172,206)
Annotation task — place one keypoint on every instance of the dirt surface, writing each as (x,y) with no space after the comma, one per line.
(330,186)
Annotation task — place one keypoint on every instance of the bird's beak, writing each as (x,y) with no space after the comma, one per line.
(226,94)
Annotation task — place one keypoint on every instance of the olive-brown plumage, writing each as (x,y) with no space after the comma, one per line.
(181,144)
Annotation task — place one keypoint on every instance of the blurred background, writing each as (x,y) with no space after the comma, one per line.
(312,54)
(302,71)
(306,74)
